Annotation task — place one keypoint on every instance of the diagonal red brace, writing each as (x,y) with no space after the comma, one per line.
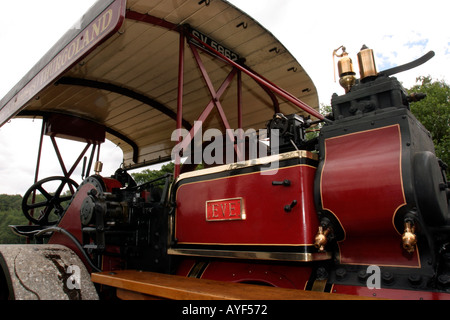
(266,83)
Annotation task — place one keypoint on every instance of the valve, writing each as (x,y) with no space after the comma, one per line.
(347,78)
(321,239)
(409,238)
(98,167)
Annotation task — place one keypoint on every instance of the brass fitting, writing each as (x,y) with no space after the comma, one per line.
(366,61)
(409,238)
(346,72)
(320,240)
(98,167)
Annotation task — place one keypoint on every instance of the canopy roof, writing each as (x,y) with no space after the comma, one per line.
(120,69)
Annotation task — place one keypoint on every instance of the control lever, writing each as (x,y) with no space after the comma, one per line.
(289,207)
(408,66)
(285,183)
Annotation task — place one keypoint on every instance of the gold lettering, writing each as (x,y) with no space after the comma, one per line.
(51,68)
(64,57)
(86,39)
(71,51)
(232,209)
(58,62)
(107,17)
(215,210)
(95,29)
(224,208)
(78,45)
(45,74)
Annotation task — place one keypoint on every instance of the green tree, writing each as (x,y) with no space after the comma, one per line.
(10,202)
(313,132)
(434,113)
(150,175)
(11,214)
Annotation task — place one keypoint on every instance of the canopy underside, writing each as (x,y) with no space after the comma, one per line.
(129,83)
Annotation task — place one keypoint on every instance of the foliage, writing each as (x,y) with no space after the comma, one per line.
(8,202)
(11,214)
(313,132)
(434,113)
(149,175)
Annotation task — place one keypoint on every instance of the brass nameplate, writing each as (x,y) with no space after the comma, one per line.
(225,210)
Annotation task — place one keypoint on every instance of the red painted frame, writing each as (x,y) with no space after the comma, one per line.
(269,87)
(274,227)
(237,68)
(373,176)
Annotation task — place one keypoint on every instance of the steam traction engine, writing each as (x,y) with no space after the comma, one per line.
(361,209)
(368,191)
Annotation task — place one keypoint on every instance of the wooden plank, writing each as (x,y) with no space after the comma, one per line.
(133,284)
(132,295)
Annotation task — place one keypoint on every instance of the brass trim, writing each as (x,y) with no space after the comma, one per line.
(174,216)
(250,163)
(235,176)
(319,285)
(339,258)
(256,255)
(197,269)
(400,166)
(248,244)
(242,213)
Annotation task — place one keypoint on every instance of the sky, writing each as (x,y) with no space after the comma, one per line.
(398,31)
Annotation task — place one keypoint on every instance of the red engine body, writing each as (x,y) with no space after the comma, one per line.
(246,210)
(318,218)
(362,186)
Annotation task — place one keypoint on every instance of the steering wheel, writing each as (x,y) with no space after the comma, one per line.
(48,204)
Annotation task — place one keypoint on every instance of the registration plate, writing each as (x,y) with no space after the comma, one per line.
(214,44)
(225,210)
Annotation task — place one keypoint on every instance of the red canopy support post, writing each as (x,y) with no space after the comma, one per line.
(38,162)
(180,101)
(239,98)
(240,138)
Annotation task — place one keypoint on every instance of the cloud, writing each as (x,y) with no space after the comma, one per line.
(397,31)
(19,142)
(418,43)
(25,40)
